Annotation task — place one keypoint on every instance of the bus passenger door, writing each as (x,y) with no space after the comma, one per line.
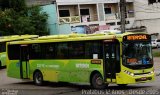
(111,60)
(24,59)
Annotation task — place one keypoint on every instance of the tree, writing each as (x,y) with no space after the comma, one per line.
(23,20)
(4,4)
(17,5)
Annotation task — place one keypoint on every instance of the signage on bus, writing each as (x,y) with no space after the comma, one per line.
(95,61)
(134,37)
(132,60)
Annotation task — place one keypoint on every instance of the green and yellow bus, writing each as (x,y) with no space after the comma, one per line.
(98,59)
(4,40)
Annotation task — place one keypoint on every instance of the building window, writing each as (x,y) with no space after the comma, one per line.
(64,13)
(85,16)
(111,23)
(152,1)
(126,22)
(107,10)
(118,23)
(84,11)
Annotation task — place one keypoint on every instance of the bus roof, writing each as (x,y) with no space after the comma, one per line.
(16,37)
(71,37)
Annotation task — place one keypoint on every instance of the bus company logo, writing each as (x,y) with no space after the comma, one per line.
(47,66)
(96,61)
(137,37)
(81,65)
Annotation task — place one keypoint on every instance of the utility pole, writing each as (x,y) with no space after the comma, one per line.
(122,11)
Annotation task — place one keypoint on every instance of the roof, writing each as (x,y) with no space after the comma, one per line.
(16,37)
(71,37)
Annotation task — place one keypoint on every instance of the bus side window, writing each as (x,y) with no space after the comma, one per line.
(76,50)
(49,50)
(62,50)
(93,48)
(14,52)
(2,46)
(36,52)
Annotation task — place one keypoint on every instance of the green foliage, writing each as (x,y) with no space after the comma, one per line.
(20,21)
(4,4)
(17,5)
(156,53)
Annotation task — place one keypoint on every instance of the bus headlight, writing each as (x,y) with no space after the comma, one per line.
(129,73)
(132,74)
(151,72)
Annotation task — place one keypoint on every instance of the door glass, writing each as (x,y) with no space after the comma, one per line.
(24,61)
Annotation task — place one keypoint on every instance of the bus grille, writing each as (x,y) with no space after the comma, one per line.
(141,73)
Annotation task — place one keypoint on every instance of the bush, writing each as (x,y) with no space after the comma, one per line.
(156,53)
(23,20)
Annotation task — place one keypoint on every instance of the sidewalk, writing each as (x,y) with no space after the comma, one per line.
(157,65)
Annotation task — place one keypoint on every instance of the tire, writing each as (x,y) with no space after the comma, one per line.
(97,81)
(38,78)
(122,85)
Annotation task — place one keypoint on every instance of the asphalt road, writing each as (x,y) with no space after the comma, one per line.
(11,86)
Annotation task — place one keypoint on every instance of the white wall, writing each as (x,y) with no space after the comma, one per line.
(143,10)
(86,1)
(91,0)
(147,15)
(153,25)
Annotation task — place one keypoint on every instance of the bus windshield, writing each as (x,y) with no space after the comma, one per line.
(137,54)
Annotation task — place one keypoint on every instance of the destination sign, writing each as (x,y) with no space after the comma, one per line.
(134,37)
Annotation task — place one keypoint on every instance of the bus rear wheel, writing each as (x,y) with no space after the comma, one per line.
(97,81)
(38,78)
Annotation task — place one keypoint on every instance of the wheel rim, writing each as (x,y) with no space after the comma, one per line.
(38,78)
(99,81)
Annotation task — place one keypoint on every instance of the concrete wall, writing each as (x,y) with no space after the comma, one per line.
(64,29)
(147,15)
(38,2)
(146,11)
(153,25)
(52,18)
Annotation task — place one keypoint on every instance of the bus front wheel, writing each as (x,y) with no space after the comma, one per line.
(38,78)
(97,81)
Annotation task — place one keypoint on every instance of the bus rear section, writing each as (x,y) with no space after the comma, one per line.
(5,39)
(97,61)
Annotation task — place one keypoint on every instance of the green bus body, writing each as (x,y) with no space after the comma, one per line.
(59,59)
(5,39)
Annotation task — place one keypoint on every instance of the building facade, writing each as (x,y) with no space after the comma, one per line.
(88,16)
(147,13)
